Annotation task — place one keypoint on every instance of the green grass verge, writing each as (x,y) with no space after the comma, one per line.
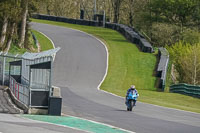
(45,43)
(172,100)
(127,65)
(16,50)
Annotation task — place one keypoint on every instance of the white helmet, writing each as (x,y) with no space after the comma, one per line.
(132,86)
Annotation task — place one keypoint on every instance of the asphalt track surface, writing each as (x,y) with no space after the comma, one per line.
(79,68)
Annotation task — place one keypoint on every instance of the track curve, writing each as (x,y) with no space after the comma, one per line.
(79,68)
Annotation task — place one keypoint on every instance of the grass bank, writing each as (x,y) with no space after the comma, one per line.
(44,42)
(127,65)
(16,50)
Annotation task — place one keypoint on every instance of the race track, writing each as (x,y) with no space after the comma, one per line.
(79,68)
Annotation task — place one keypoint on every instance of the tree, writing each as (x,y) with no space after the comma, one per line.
(131,12)
(164,34)
(23,22)
(128,11)
(178,12)
(191,36)
(186,59)
(191,66)
(14,17)
(10,18)
(4,30)
(13,21)
(4,13)
(116,4)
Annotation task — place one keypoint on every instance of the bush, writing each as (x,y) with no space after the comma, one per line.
(191,36)
(164,34)
(186,59)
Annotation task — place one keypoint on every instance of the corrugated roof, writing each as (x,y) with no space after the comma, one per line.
(32,56)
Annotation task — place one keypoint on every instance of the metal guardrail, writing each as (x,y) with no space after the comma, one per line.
(182,88)
(162,66)
(21,92)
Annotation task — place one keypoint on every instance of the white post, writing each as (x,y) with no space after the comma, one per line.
(104,18)
(95,7)
(95,10)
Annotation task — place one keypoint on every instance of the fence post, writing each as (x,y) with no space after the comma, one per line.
(15,89)
(3,71)
(18,92)
(30,80)
(13,85)
(50,77)
(104,18)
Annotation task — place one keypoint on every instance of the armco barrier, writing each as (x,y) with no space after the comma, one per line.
(129,32)
(186,89)
(162,66)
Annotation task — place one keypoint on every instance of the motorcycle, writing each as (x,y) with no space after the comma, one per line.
(131,100)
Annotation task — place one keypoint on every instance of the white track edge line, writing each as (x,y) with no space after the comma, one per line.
(48,38)
(98,87)
(107,70)
(50,41)
(100,123)
(54,124)
(101,81)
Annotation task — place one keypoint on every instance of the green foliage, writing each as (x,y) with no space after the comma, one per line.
(191,36)
(176,11)
(165,21)
(191,65)
(164,34)
(16,50)
(153,18)
(11,18)
(69,8)
(5,10)
(171,100)
(186,58)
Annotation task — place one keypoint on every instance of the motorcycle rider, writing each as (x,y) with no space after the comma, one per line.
(133,91)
